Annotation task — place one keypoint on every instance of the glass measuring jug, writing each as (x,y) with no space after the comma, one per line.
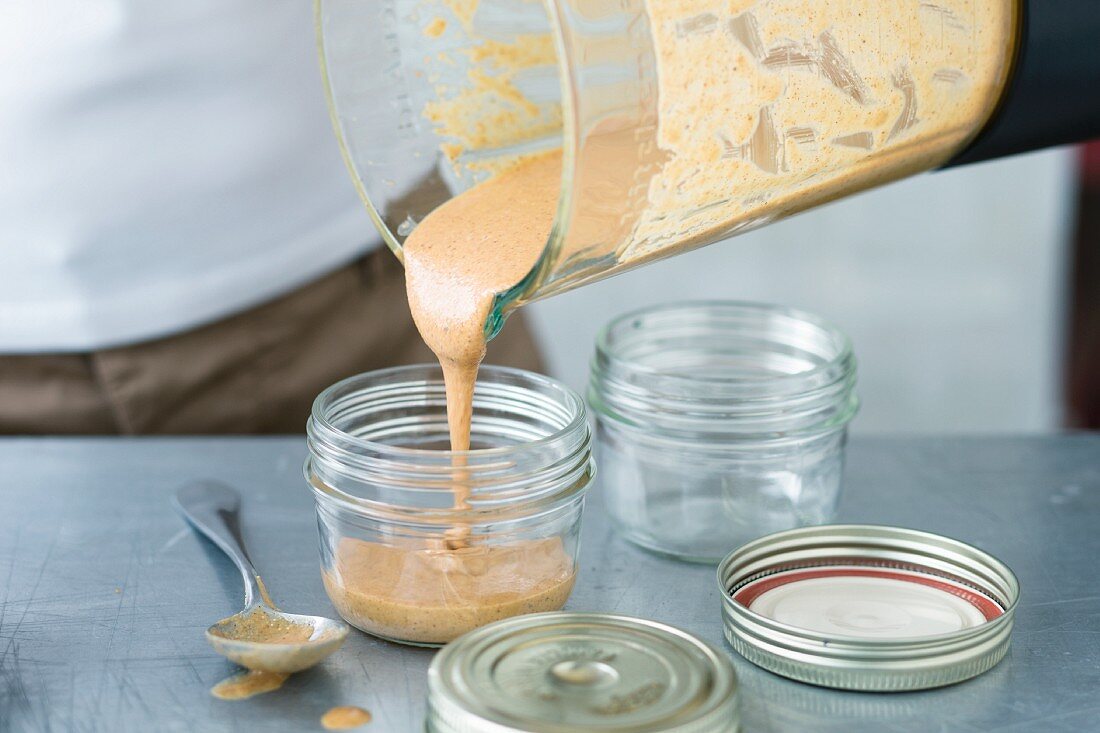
(679,122)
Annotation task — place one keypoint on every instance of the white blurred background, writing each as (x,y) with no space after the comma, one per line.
(951,285)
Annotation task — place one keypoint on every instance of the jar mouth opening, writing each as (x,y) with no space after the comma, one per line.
(377,444)
(571,412)
(722,316)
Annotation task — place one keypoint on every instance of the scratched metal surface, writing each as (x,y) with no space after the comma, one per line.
(104,594)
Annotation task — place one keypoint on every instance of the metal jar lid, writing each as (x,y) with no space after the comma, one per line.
(863,607)
(572,672)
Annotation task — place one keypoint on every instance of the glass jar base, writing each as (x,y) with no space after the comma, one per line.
(394,640)
(696,555)
(671,554)
(692,555)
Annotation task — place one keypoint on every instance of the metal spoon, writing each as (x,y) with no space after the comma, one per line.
(260,637)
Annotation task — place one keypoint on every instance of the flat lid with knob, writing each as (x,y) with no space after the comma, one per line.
(556,672)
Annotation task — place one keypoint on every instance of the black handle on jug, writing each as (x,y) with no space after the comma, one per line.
(1053,94)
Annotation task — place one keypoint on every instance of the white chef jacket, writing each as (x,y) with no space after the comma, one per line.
(163,163)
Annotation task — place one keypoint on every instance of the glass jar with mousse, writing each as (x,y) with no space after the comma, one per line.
(420,544)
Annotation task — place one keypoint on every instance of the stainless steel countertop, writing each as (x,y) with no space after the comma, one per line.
(104,593)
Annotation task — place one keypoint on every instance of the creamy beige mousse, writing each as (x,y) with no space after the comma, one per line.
(763,108)
(433,596)
(249,683)
(262,627)
(462,255)
(345,717)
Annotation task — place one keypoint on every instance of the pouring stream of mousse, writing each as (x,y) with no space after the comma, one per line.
(478,244)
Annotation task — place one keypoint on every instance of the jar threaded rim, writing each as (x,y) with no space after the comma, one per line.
(361,432)
(737,369)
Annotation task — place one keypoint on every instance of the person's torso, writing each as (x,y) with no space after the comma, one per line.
(164,164)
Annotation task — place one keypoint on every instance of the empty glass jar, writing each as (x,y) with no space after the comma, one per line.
(719,422)
(420,544)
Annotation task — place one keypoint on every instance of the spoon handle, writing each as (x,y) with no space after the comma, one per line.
(214,510)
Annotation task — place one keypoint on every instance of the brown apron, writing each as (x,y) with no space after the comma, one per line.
(254,372)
